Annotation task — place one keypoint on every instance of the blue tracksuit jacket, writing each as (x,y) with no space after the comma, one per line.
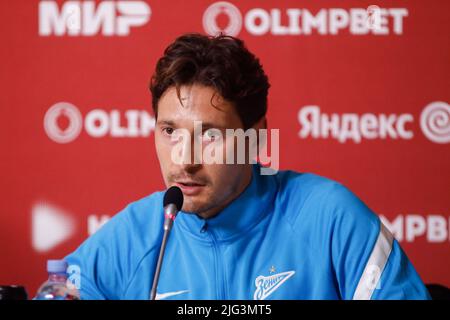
(287,236)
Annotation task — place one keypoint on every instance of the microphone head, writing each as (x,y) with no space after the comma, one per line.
(173,195)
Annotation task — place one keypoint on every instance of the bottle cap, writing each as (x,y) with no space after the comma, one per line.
(56,266)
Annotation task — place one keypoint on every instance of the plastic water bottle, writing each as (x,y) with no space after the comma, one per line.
(57,287)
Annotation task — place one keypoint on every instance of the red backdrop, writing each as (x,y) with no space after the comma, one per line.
(359,95)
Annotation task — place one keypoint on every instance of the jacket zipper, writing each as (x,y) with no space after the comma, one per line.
(220,279)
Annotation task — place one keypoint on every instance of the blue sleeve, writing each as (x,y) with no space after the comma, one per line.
(100,264)
(367,260)
(399,279)
(108,261)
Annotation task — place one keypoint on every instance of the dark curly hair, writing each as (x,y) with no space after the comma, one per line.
(221,62)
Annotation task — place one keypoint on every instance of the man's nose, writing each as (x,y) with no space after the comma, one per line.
(191,168)
(191,152)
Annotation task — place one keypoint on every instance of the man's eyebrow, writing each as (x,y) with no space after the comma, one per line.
(166,122)
(205,125)
(209,125)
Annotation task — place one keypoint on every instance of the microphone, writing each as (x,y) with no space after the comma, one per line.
(172,203)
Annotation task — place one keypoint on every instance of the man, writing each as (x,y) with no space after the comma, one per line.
(241,234)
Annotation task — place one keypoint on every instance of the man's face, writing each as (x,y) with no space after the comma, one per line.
(207,188)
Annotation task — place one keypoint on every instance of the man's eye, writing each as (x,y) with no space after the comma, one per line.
(212,134)
(168,131)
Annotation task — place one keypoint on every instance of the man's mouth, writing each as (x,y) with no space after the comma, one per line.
(190,188)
